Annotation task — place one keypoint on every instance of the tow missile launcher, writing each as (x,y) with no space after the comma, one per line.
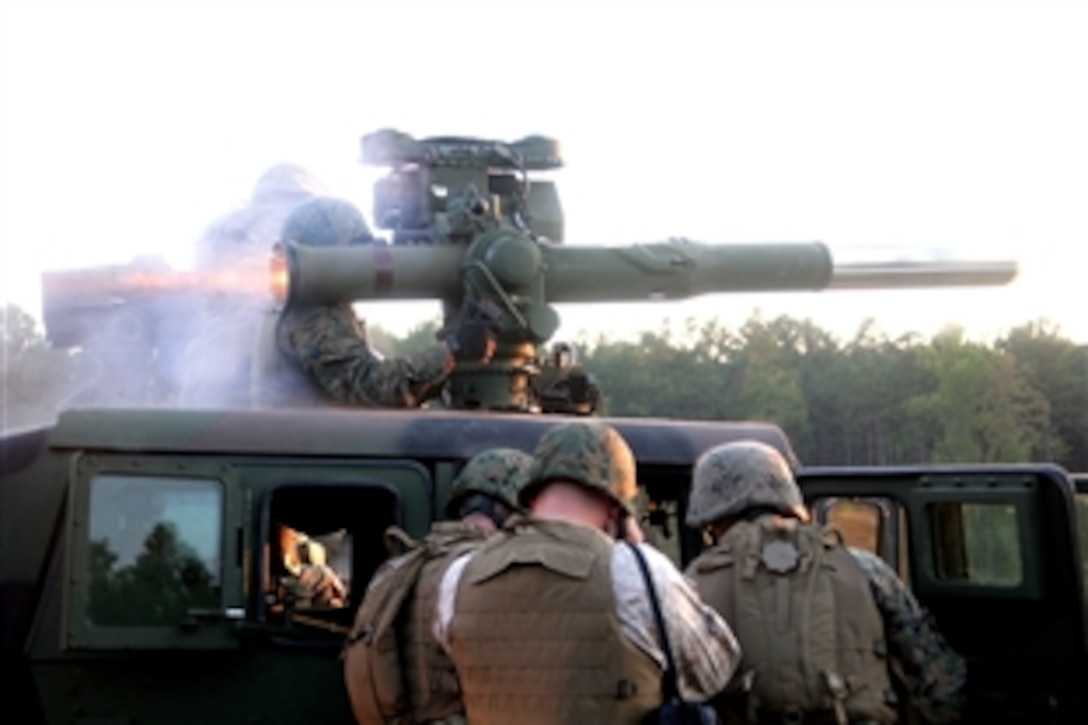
(472,228)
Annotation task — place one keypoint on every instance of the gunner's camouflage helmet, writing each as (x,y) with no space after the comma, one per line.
(497,472)
(589,453)
(286,182)
(325,222)
(733,477)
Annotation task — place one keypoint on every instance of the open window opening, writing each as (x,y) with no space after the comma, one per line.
(858,521)
(662,505)
(323,543)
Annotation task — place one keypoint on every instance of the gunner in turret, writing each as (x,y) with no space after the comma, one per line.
(329,342)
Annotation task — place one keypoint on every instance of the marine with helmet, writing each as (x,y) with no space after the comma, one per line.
(217,364)
(549,621)
(824,628)
(328,343)
(249,232)
(482,498)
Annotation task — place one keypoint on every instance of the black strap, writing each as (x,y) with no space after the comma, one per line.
(669,687)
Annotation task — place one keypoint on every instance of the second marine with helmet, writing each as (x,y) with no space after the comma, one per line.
(393,668)
(550,620)
(823,627)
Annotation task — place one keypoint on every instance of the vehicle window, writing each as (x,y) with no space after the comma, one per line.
(977,543)
(661,525)
(876,524)
(858,522)
(325,542)
(316,570)
(155,549)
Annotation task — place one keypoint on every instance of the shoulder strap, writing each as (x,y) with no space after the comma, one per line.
(397,541)
(669,688)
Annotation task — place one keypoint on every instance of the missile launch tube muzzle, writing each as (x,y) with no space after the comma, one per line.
(894,275)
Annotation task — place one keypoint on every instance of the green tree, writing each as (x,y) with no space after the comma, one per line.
(768,383)
(419,338)
(1057,368)
(159,588)
(981,407)
(640,379)
(825,378)
(34,378)
(878,377)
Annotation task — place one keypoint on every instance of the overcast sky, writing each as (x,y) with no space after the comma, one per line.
(956,128)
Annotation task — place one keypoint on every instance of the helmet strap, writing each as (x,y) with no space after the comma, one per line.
(478,503)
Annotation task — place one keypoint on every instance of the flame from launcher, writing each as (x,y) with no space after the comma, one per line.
(278,275)
(123,281)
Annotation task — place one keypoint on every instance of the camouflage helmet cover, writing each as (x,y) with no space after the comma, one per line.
(325,222)
(590,453)
(497,472)
(733,477)
(286,181)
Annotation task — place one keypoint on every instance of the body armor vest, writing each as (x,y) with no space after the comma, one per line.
(535,634)
(811,635)
(431,678)
(394,671)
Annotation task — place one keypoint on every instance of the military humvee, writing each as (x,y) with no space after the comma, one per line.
(144,576)
(141,572)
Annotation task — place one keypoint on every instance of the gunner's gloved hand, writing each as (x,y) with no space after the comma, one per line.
(474,337)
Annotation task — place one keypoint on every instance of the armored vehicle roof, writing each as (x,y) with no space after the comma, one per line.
(394,433)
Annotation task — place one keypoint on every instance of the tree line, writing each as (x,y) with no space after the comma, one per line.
(872,399)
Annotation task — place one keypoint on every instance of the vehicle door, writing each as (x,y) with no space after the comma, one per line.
(994,553)
(1081,482)
(178,602)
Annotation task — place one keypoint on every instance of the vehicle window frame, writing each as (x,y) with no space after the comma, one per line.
(1080,504)
(915,488)
(1007,491)
(208,627)
(409,482)
(889,524)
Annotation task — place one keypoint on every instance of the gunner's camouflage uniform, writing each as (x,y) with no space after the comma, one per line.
(329,343)
(932,673)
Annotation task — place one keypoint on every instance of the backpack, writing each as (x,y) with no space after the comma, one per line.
(373,670)
(374,666)
(794,588)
